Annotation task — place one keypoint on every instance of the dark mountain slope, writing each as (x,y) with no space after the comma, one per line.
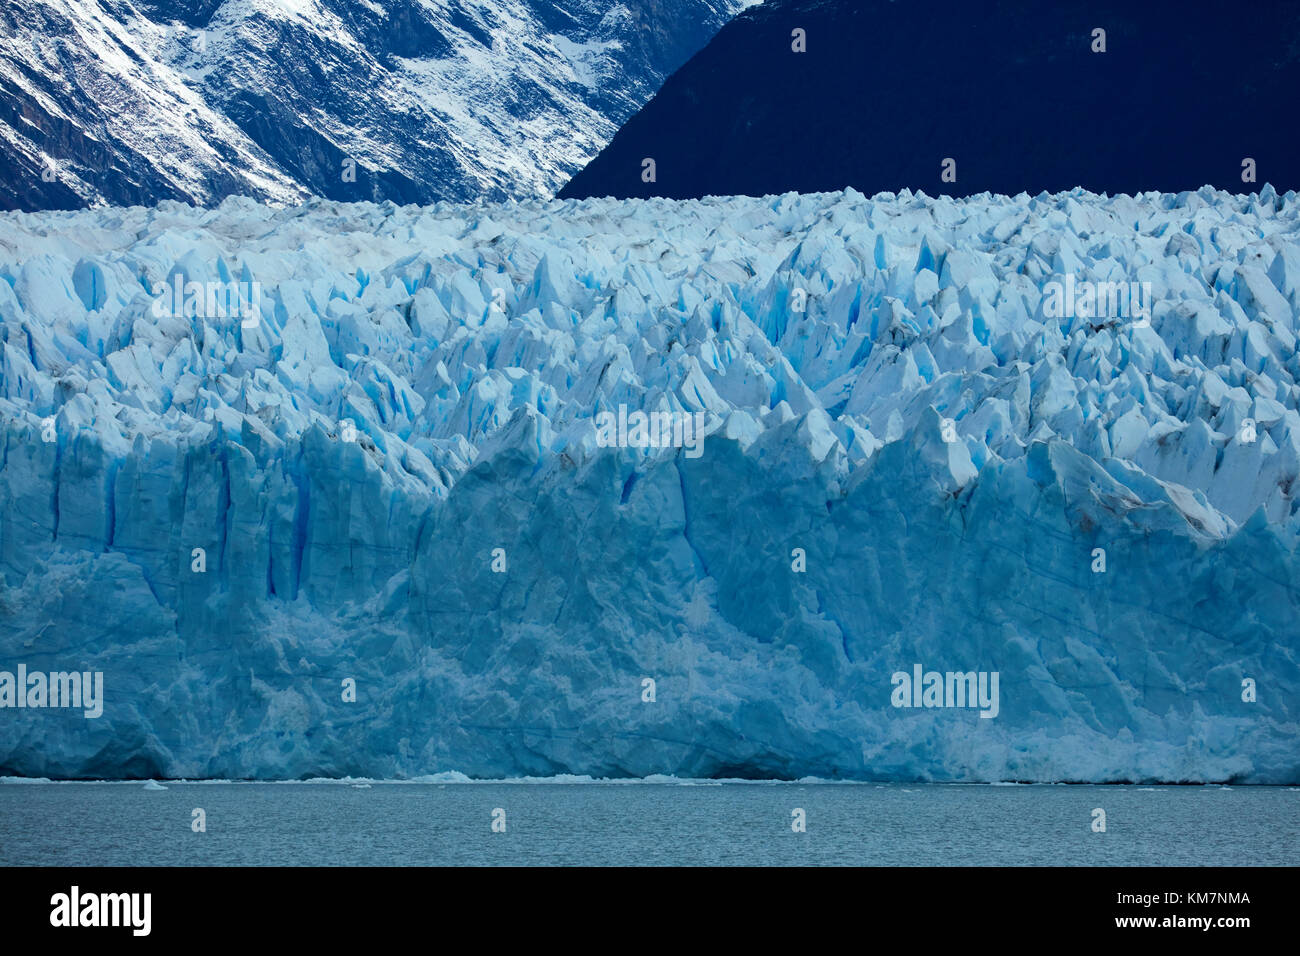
(1011,90)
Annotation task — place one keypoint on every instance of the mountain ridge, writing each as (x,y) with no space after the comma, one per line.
(121,103)
(1011,92)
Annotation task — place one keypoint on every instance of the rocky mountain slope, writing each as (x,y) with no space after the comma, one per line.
(120,102)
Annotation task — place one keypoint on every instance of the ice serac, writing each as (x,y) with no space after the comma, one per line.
(393,476)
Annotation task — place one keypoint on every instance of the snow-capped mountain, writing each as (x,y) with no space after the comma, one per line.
(955,98)
(135,101)
(1055,439)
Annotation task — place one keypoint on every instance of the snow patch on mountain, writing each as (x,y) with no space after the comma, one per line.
(122,103)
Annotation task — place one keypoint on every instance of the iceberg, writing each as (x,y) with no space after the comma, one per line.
(371,530)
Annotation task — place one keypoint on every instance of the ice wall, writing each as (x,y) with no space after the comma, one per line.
(826,536)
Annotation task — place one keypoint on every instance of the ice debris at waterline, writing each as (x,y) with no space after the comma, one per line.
(371,532)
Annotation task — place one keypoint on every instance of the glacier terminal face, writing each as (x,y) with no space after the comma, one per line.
(395,510)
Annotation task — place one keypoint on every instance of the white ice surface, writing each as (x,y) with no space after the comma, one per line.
(372,559)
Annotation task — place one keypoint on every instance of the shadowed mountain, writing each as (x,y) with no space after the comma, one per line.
(1018,94)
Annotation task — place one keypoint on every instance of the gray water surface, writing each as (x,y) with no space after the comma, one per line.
(550,824)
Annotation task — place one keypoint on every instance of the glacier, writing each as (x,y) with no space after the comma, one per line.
(371,533)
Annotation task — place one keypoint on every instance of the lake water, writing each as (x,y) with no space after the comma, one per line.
(644,823)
